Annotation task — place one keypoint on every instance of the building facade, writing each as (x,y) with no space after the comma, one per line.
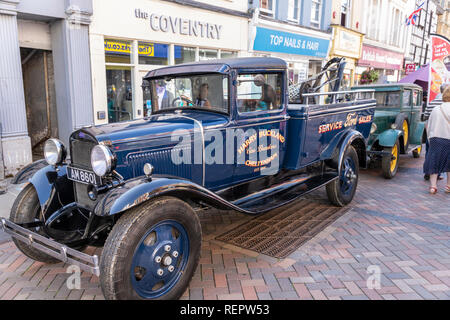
(294,30)
(418,52)
(386,38)
(130,38)
(347,36)
(45,83)
(443,26)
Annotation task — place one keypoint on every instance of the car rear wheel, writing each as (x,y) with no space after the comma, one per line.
(389,163)
(341,191)
(152,252)
(417,152)
(27,209)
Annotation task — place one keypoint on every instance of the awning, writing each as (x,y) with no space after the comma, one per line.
(419,77)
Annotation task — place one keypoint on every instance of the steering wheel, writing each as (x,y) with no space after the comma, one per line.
(182,98)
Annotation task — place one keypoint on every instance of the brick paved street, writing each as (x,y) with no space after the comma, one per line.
(395,227)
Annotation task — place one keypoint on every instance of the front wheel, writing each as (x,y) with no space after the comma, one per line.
(27,209)
(152,252)
(341,191)
(389,162)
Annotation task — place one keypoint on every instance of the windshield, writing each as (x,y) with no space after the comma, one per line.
(388,99)
(208,92)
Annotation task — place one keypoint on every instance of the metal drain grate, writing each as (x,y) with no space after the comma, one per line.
(280,232)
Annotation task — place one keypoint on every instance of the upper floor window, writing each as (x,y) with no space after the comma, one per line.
(294,10)
(267,6)
(373,21)
(316,13)
(345,13)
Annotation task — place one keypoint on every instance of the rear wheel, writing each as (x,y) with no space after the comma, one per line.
(152,252)
(417,152)
(389,163)
(27,209)
(341,191)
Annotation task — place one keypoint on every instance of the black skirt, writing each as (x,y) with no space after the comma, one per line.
(437,160)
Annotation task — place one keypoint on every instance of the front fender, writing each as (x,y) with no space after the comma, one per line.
(49,182)
(389,137)
(136,192)
(28,172)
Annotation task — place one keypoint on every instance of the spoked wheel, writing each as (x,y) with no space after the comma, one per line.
(341,191)
(160,259)
(152,252)
(389,163)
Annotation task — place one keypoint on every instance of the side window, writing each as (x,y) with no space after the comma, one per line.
(259,92)
(406,98)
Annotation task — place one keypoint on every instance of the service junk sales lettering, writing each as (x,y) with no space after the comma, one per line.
(176,25)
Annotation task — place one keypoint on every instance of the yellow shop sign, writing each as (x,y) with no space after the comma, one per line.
(118,47)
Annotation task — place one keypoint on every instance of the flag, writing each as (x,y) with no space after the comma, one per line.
(412,19)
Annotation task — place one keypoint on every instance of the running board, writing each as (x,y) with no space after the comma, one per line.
(283,194)
(52,248)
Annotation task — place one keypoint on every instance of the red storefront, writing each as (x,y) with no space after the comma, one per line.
(388,63)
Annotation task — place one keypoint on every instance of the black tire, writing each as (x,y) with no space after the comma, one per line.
(126,236)
(335,189)
(387,163)
(26,208)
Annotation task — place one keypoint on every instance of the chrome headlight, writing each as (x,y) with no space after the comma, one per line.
(394,126)
(54,152)
(102,160)
(373,129)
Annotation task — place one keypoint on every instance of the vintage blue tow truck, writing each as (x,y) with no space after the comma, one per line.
(228,134)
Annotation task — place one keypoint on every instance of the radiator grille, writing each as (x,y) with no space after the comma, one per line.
(81,158)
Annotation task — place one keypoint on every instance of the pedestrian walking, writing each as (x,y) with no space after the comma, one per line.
(437,160)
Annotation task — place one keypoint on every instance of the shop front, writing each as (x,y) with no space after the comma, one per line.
(388,64)
(304,49)
(348,44)
(129,39)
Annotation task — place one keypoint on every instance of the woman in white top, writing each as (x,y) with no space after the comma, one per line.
(437,160)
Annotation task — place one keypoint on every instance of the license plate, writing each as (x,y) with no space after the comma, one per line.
(83,176)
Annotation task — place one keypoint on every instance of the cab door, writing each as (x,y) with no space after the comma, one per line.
(260,129)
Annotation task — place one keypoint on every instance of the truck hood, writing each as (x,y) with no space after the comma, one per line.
(155,127)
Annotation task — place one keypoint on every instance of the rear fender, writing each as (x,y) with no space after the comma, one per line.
(418,134)
(136,192)
(389,137)
(335,151)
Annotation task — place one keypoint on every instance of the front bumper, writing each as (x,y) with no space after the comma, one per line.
(52,248)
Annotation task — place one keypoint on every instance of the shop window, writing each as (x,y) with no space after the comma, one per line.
(184,54)
(267,6)
(117,51)
(119,93)
(153,53)
(208,54)
(316,13)
(228,54)
(294,10)
(259,92)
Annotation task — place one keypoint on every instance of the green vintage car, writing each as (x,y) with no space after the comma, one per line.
(397,127)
